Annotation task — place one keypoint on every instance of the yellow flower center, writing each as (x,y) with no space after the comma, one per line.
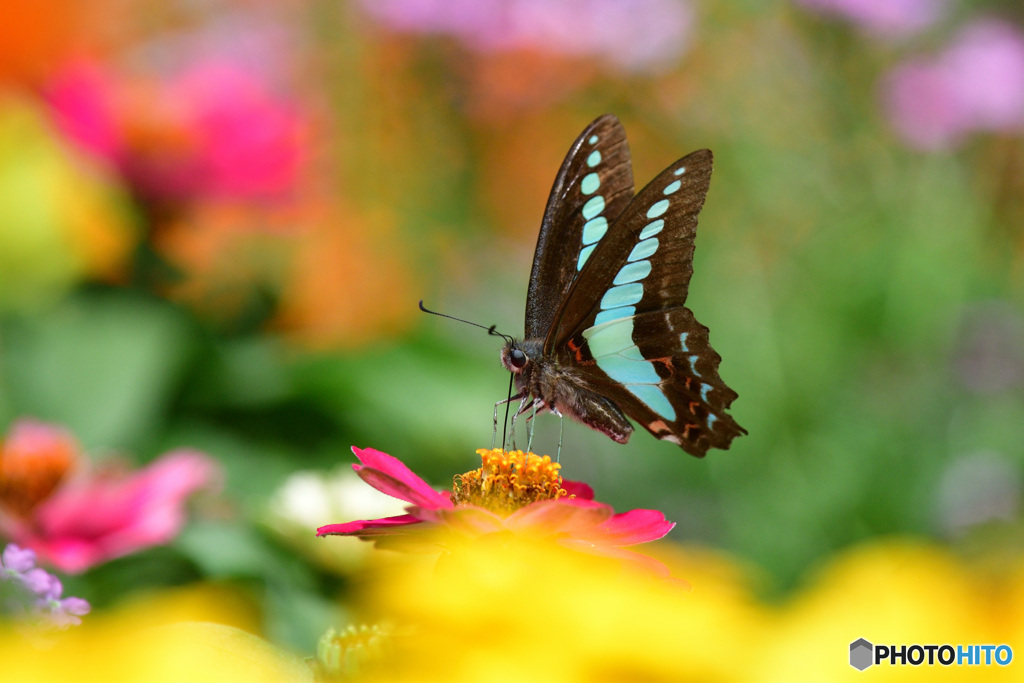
(508,480)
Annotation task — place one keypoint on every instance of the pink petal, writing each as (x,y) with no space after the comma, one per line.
(83,96)
(564,516)
(100,517)
(578,489)
(389,475)
(372,527)
(628,528)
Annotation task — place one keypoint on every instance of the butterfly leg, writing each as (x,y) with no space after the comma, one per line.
(504,401)
(523,407)
(561,430)
(533,423)
(519,411)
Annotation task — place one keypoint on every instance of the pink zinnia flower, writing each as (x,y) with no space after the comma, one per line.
(976,84)
(76,520)
(513,492)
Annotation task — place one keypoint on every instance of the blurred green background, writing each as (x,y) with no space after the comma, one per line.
(217,218)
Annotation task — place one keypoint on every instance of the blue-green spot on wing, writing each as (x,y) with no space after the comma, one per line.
(593,186)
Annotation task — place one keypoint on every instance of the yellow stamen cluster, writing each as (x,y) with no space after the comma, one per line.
(508,480)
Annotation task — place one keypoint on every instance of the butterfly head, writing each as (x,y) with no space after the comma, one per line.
(513,358)
(517,356)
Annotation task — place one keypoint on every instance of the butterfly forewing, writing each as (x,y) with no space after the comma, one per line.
(646,260)
(593,187)
(623,326)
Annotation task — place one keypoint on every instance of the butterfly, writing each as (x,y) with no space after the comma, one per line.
(607,334)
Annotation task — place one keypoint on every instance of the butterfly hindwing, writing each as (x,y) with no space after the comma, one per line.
(623,327)
(593,186)
(659,369)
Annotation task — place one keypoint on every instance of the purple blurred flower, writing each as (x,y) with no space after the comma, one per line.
(39,589)
(62,612)
(976,84)
(886,18)
(637,35)
(17,561)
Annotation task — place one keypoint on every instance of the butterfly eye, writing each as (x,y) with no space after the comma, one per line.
(517,358)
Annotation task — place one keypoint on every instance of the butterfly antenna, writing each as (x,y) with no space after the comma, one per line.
(490,330)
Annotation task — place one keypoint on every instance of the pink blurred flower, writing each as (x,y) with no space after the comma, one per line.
(243,140)
(93,516)
(882,17)
(213,130)
(977,84)
(635,35)
(514,493)
(82,97)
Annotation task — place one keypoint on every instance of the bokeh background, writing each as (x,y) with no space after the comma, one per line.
(217,218)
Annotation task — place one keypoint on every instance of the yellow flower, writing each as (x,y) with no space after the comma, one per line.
(501,608)
(196,635)
(893,592)
(509,608)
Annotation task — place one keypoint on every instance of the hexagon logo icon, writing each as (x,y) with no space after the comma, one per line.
(861,654)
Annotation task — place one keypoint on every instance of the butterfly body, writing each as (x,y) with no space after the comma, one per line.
(562,390)
(607,332)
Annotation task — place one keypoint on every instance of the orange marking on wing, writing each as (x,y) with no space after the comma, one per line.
(686,432)
(658,427)
(576,351)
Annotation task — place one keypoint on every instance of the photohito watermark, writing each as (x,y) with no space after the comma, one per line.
(863,654)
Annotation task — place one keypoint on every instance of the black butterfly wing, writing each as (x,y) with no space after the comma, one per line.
(623,326)
(593,186)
